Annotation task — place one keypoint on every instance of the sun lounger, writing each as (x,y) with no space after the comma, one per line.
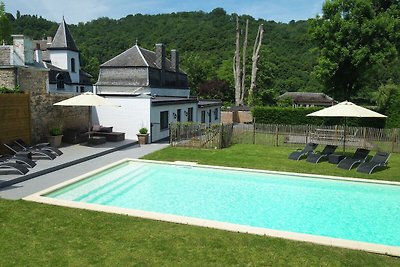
(18,159)
(41,146)
(12,166)
(379,160)
(309,148)
(359,156)
(316,157)
(37,152)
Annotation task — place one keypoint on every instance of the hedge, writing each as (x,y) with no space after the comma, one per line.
(298,116)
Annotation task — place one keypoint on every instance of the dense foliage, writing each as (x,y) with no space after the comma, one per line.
(359,43)
(5,26)
(205,42)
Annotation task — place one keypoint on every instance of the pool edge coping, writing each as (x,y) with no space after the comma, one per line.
(321,240)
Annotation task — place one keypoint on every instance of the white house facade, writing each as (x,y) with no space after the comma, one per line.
(152,92)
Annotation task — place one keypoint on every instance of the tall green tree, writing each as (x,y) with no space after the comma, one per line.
(5,26)
(353,36)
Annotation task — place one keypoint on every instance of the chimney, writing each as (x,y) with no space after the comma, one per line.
(49,40)
(175,60)
(23,50)
(38,55)
(160,61)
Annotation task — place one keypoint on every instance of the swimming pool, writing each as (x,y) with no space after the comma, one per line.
(346,210)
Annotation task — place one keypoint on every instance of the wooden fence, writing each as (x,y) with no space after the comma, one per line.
(201,135)
(222,135)
(15,118)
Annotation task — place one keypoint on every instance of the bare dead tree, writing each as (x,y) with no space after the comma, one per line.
(236,65)
(239,71)
(254,68)
(244,52)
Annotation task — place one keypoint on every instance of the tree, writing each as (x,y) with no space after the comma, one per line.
(239,71)
(5,26)
(18,15)
(352,37)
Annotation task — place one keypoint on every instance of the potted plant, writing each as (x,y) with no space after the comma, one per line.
(55,136)
(143,136)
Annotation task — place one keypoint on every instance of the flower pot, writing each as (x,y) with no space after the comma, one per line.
(143,138)
(55,140)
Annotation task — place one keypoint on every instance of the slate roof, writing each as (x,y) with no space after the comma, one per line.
(172,100)
(209,103)
(63,38)
(309,98)
(137,57)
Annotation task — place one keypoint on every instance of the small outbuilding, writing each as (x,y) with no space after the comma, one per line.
(306,99)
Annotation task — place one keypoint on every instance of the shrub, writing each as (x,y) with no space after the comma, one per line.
(143,130)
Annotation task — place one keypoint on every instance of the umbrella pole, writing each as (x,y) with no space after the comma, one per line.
(90,118)
(344,134)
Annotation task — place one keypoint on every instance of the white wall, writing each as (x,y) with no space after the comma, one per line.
(133,114)
(155,117)
(62,60)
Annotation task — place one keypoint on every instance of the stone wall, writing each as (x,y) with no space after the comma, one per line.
(5,54)
(33,80)
(46,116)
(8,77)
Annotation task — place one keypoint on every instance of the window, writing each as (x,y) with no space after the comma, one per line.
(209,115)
(178,115)
(164,120)
(216,114)
(60,81)
(203,116)
(190,114)
(82,89)
(73,64)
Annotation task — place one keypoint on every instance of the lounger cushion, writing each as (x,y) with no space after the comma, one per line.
(106,129)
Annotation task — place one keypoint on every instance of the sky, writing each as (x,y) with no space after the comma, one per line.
(76,11)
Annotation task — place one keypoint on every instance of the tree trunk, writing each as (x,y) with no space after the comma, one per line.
(256,55)
(237,68)
(244,51)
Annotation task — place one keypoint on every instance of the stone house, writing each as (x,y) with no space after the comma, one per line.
(152,91)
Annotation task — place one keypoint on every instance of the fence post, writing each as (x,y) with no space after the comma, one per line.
(277,135)
(254,131)
(307,133)
(221,136)
(394,138)
(364,136)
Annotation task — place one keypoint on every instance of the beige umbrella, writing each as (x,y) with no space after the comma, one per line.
(346,109)
(87,99)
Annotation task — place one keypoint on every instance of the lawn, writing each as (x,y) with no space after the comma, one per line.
(43,235)
(270,158)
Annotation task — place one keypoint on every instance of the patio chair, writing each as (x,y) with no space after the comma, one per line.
(379,160)
(41,146)
(13,166)
(359,156)
(316,157)
(309,148)
(18,159)
(36,152)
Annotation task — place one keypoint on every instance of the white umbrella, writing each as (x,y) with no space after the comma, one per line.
(346,109)
(87,99)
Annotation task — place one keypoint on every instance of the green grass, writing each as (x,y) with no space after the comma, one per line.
(270,158)
(34,234)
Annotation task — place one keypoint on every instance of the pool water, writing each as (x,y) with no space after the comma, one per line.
(356,211)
